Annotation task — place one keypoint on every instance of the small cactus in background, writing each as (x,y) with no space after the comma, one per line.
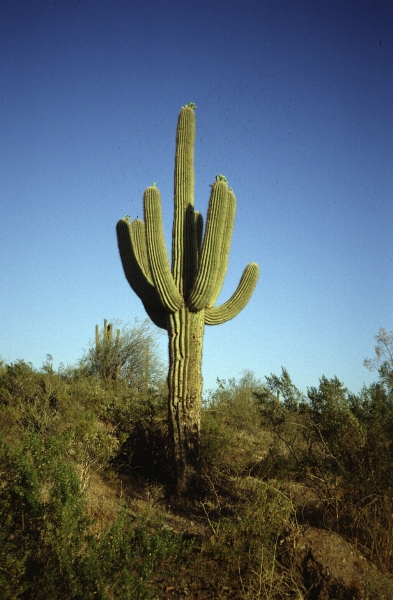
(107,354)
(181,297)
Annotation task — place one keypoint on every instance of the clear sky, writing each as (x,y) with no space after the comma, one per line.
(294,106)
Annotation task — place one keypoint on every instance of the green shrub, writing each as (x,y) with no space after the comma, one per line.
(231,436)
(145,451)
(42,519)
(47,550)
(234,401)
(340,447)
(122,563)
(246,534)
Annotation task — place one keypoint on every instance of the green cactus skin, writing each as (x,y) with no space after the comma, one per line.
(181,297)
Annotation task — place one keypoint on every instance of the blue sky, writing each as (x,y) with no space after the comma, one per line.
(294,105)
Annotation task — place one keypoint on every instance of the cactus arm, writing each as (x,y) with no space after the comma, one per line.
(108,331)
(220,314)
(199,233)
(135,274)
(157,314)
(108,360)
(164,283)
(206,280)
(184,244)
(138,239)
(226,244)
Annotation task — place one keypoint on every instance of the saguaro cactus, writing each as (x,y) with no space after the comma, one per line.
(107,352)
(182,299)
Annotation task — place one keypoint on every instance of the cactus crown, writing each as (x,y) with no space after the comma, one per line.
(190,105)
(199,259)
(221,178)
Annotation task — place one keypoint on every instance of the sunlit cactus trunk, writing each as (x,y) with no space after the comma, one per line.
(185,331)
(181,297)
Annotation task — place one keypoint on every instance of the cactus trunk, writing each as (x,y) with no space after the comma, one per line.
(185,330)
(181,297)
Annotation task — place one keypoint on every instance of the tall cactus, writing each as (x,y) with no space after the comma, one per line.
(181,299)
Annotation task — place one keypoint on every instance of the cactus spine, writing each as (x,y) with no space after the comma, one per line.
(181,298)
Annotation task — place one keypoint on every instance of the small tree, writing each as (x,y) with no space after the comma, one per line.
(383,361)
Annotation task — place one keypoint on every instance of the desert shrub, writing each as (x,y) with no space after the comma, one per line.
(217,440)
(42,520)
(283,412)
(231,435)
(92,447)
(373,408)
(355,435)
(247,524)
(339,446)
(383,359)
(322,438)
(340,432)
(47,549)
(50,404)
(370,490)
(26,400)
(123,562)
(235,402)
(119,422)
(145,448)
(19,381)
